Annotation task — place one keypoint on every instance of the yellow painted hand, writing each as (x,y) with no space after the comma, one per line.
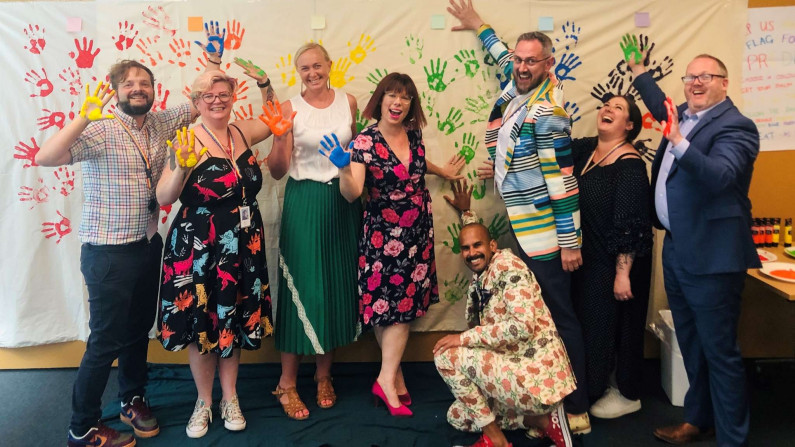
(185,150)
(93,104)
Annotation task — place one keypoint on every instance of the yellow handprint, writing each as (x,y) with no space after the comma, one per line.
(337,74)
(287,70)
(185,150)
(93,104)
(359,52)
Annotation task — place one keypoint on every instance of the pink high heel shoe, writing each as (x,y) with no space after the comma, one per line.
(401,411)
(405,399)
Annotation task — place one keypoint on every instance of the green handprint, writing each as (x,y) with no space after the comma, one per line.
(376,76)
(479,106)
(415,45)
(453,229)
(452,122)
(479,190)
(469,145)
(470,62)
(435,75)
(456,289)
(428,102)
(629,45)
(361,121)
(498,226)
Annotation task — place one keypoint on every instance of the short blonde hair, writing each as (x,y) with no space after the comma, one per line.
(206,80)
(310,46)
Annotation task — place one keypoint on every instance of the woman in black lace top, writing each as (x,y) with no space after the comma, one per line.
(611,290)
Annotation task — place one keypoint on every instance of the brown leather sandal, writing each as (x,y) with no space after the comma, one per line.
(294,403)
(325,392)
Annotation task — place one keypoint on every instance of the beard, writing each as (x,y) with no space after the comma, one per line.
(135,110)
(534,82)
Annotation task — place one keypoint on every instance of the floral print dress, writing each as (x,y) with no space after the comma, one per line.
(397,269)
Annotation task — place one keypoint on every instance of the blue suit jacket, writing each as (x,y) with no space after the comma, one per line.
(708,205)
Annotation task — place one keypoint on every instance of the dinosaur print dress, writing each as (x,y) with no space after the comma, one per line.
(214,290)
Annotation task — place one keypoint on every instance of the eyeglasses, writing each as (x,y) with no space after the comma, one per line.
(529,61)
(704,78)
(405,99)
(209,98)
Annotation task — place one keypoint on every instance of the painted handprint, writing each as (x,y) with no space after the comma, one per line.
(478,106)
(361,121)
(650,123)
(240,92)
(245,113)
(186,92)
(159,20)
(66,176)
(126,36)
(27,153)
(330,147)
(453,122)
(453,244)
(630,47)
(362,49)
(566,64)
(287,70)
(57,229)
(413,50)
(35,36)
(428,101)
(272,116)
(144,45)
(570,39)
(51,119)
(72,79)
(93,104)
(456,289)
(215,39)
(573,110)
(435,75)
(469,60)
(469,145)
(184,146)
(661,69)
(203,59)
(35,195)
(336,76)
(236,33)
(374,77)
(180,50)
(478,185)
(83,56)
(498,226)
(41,83)
(161,96)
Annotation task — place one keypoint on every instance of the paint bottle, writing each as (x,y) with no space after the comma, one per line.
(755,231)
(788,232)
(769,232)
(776,231)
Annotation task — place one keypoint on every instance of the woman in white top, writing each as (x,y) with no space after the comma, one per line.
(317,299)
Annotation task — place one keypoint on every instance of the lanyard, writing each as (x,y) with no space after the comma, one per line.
(588,166)
(229,151)
(142,152)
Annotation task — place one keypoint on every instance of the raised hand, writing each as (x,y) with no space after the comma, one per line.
(333,150)
(93,104)
(629,45)
(272,116)
(252,70)
(215,39)
(462,193)
(466,14)
(671,125)
(185,148)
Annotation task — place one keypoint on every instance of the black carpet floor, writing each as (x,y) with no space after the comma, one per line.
(35,410)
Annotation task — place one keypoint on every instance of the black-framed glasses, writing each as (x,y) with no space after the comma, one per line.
(404,98)
(704,78)
(528,61)
(209,98)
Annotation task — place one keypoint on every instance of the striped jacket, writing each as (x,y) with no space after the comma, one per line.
(539,190)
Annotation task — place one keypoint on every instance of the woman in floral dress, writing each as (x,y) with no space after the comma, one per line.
(397,271)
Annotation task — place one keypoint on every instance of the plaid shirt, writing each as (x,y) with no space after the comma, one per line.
(115,186)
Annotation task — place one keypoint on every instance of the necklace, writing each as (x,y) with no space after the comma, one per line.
(590,164)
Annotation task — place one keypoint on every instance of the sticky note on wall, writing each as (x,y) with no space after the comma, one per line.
(74,24)
(437,21)
(317,22)
(546,24)
(195,23)
(642,20)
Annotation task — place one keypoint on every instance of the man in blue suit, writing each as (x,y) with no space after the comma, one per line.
(700,178)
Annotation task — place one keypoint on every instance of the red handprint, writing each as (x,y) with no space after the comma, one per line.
(125,38)
(84,57)
(161,98)
(35,195)
(181,50)
(186,92)
(245,114)
(73,83)
(67,179)
(203,63)
(111,109)
(41,82)
(650,123)
(143,45)
(51,119)
(36,38)
(27,153)
(166,209)
(235,36)
(59,229)
(158,19)
(240,92)
(262,161)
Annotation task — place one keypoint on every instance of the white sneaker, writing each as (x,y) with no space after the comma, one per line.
(232,415)
(613,405)
(200,420)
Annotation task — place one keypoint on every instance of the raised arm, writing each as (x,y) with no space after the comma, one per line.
(282,149)
(182,159)
(257,130)
(450,170)
(471,20)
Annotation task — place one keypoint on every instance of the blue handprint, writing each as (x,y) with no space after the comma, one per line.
(573,110)
(334,151)
(570,39)
(568,62)
(215,39)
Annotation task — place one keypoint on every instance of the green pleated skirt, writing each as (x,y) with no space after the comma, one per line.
(316,309)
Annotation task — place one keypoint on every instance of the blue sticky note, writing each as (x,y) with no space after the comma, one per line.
(437,21)
(642,20)
(546,24)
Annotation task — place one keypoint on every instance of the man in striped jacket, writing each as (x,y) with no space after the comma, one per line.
(529,144)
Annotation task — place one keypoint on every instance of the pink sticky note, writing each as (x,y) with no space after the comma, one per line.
(642,20)
(74,24)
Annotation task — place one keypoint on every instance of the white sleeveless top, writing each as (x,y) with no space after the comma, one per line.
(309,127)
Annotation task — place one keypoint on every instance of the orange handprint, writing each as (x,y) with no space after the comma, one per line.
(235,36)
(273,117)
(181,50)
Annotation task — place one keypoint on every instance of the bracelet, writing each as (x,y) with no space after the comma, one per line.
(214,62)
(264,84)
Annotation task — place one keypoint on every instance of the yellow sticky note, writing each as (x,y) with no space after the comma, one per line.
(195,23)
(317,22)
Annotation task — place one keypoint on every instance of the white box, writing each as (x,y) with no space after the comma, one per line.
(672,367)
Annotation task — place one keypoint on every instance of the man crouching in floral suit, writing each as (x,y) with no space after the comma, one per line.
(509,370)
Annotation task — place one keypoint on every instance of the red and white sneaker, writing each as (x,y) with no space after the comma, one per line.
(558,428)
(485,441)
